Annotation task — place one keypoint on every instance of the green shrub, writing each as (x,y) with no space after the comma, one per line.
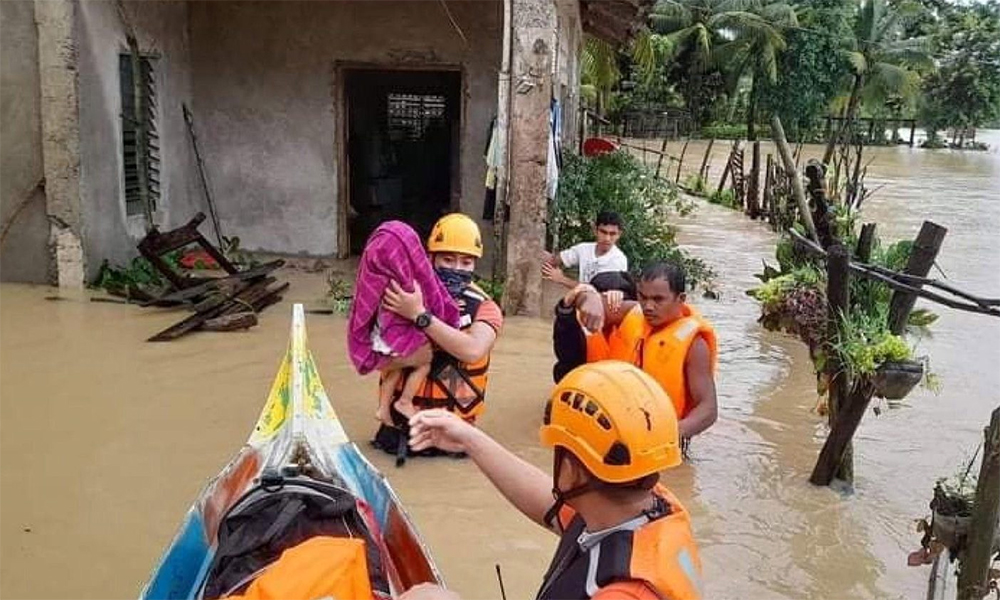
(725,198)
(619,182)
(695,184)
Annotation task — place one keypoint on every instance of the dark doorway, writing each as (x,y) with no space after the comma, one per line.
(403,131)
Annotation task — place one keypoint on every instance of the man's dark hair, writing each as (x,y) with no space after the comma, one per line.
(609,217)
(672,272)
(615,280)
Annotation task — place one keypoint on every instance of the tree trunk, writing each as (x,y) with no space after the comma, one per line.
(534,27)
(845,126)
(752,112)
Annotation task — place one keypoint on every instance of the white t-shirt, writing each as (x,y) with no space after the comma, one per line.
(584,256)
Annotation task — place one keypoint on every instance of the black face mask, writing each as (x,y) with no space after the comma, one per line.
(454,280)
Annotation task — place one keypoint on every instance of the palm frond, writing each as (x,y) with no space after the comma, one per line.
(857,60)
(643,53)
(599,64)
(892,80)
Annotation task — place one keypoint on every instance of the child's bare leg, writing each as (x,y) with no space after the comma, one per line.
(412,385)
(386,389)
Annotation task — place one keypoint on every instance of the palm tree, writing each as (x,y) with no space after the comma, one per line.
(757,39)
(599,65)
(883,63)
(685,27)
(740,37)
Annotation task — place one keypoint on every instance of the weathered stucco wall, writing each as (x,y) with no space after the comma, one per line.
(566,86)
(162,30)
(24,255)
(265,91)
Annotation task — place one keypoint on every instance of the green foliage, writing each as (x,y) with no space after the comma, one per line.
(620,182)
(812,69)
(493,287)
(696,184)
(965,90)
(726,197)
(795,303)
(865,343)
(339,293)
(139,273)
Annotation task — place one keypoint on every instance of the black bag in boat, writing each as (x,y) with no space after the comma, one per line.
(278,514)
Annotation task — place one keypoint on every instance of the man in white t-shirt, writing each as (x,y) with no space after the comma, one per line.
(591,258)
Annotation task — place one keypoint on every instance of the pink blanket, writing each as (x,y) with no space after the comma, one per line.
(393,252)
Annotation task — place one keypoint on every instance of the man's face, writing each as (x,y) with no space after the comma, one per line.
(660,305)
(607,236)
(454,260)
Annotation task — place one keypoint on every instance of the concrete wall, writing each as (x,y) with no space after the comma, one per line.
(265,89)
(162,29)
(566,86)
(24,255)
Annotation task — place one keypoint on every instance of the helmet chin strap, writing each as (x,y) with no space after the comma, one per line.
(561,496)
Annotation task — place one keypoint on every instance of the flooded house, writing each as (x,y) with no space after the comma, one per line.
(314,121)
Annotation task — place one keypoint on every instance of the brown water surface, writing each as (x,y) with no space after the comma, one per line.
(106,439)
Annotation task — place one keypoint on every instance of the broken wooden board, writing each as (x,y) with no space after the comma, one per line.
(190,293)
(245,296)
(233,322)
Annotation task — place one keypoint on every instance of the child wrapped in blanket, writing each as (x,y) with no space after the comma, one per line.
(380,340)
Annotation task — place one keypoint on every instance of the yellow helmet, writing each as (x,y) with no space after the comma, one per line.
(615,419)
(456,233)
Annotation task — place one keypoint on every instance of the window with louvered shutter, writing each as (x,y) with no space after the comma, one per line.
(131,156)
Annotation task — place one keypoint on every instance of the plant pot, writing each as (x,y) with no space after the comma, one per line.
(947,529)
(894,380)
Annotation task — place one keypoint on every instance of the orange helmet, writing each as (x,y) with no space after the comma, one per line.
(456,233)
(615,419)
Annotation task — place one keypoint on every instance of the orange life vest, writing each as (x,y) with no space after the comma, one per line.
(454,385)
(320,567)
(656,548)
(662,352)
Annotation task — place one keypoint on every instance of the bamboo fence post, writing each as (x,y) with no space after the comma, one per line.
(663,150)
(753,193)
(768,201)
(865,242)
(793,174)
(680,163)
(975,561)
(703,171)
(729,164)
(925,250)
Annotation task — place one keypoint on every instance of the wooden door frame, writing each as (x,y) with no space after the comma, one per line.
(341,135)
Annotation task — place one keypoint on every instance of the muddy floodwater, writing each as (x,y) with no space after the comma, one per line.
(105,439)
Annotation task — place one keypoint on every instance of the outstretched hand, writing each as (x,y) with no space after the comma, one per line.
(438,428)
(408,305)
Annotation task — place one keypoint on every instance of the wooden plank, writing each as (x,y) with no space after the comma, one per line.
(973,577)
(194,321)
(163,242)
(925,250)
(233,322)
(203,288)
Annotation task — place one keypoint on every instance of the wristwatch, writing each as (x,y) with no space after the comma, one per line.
(423,320)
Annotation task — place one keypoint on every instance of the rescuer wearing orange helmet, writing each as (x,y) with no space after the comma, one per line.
(461,359)
(623,536)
